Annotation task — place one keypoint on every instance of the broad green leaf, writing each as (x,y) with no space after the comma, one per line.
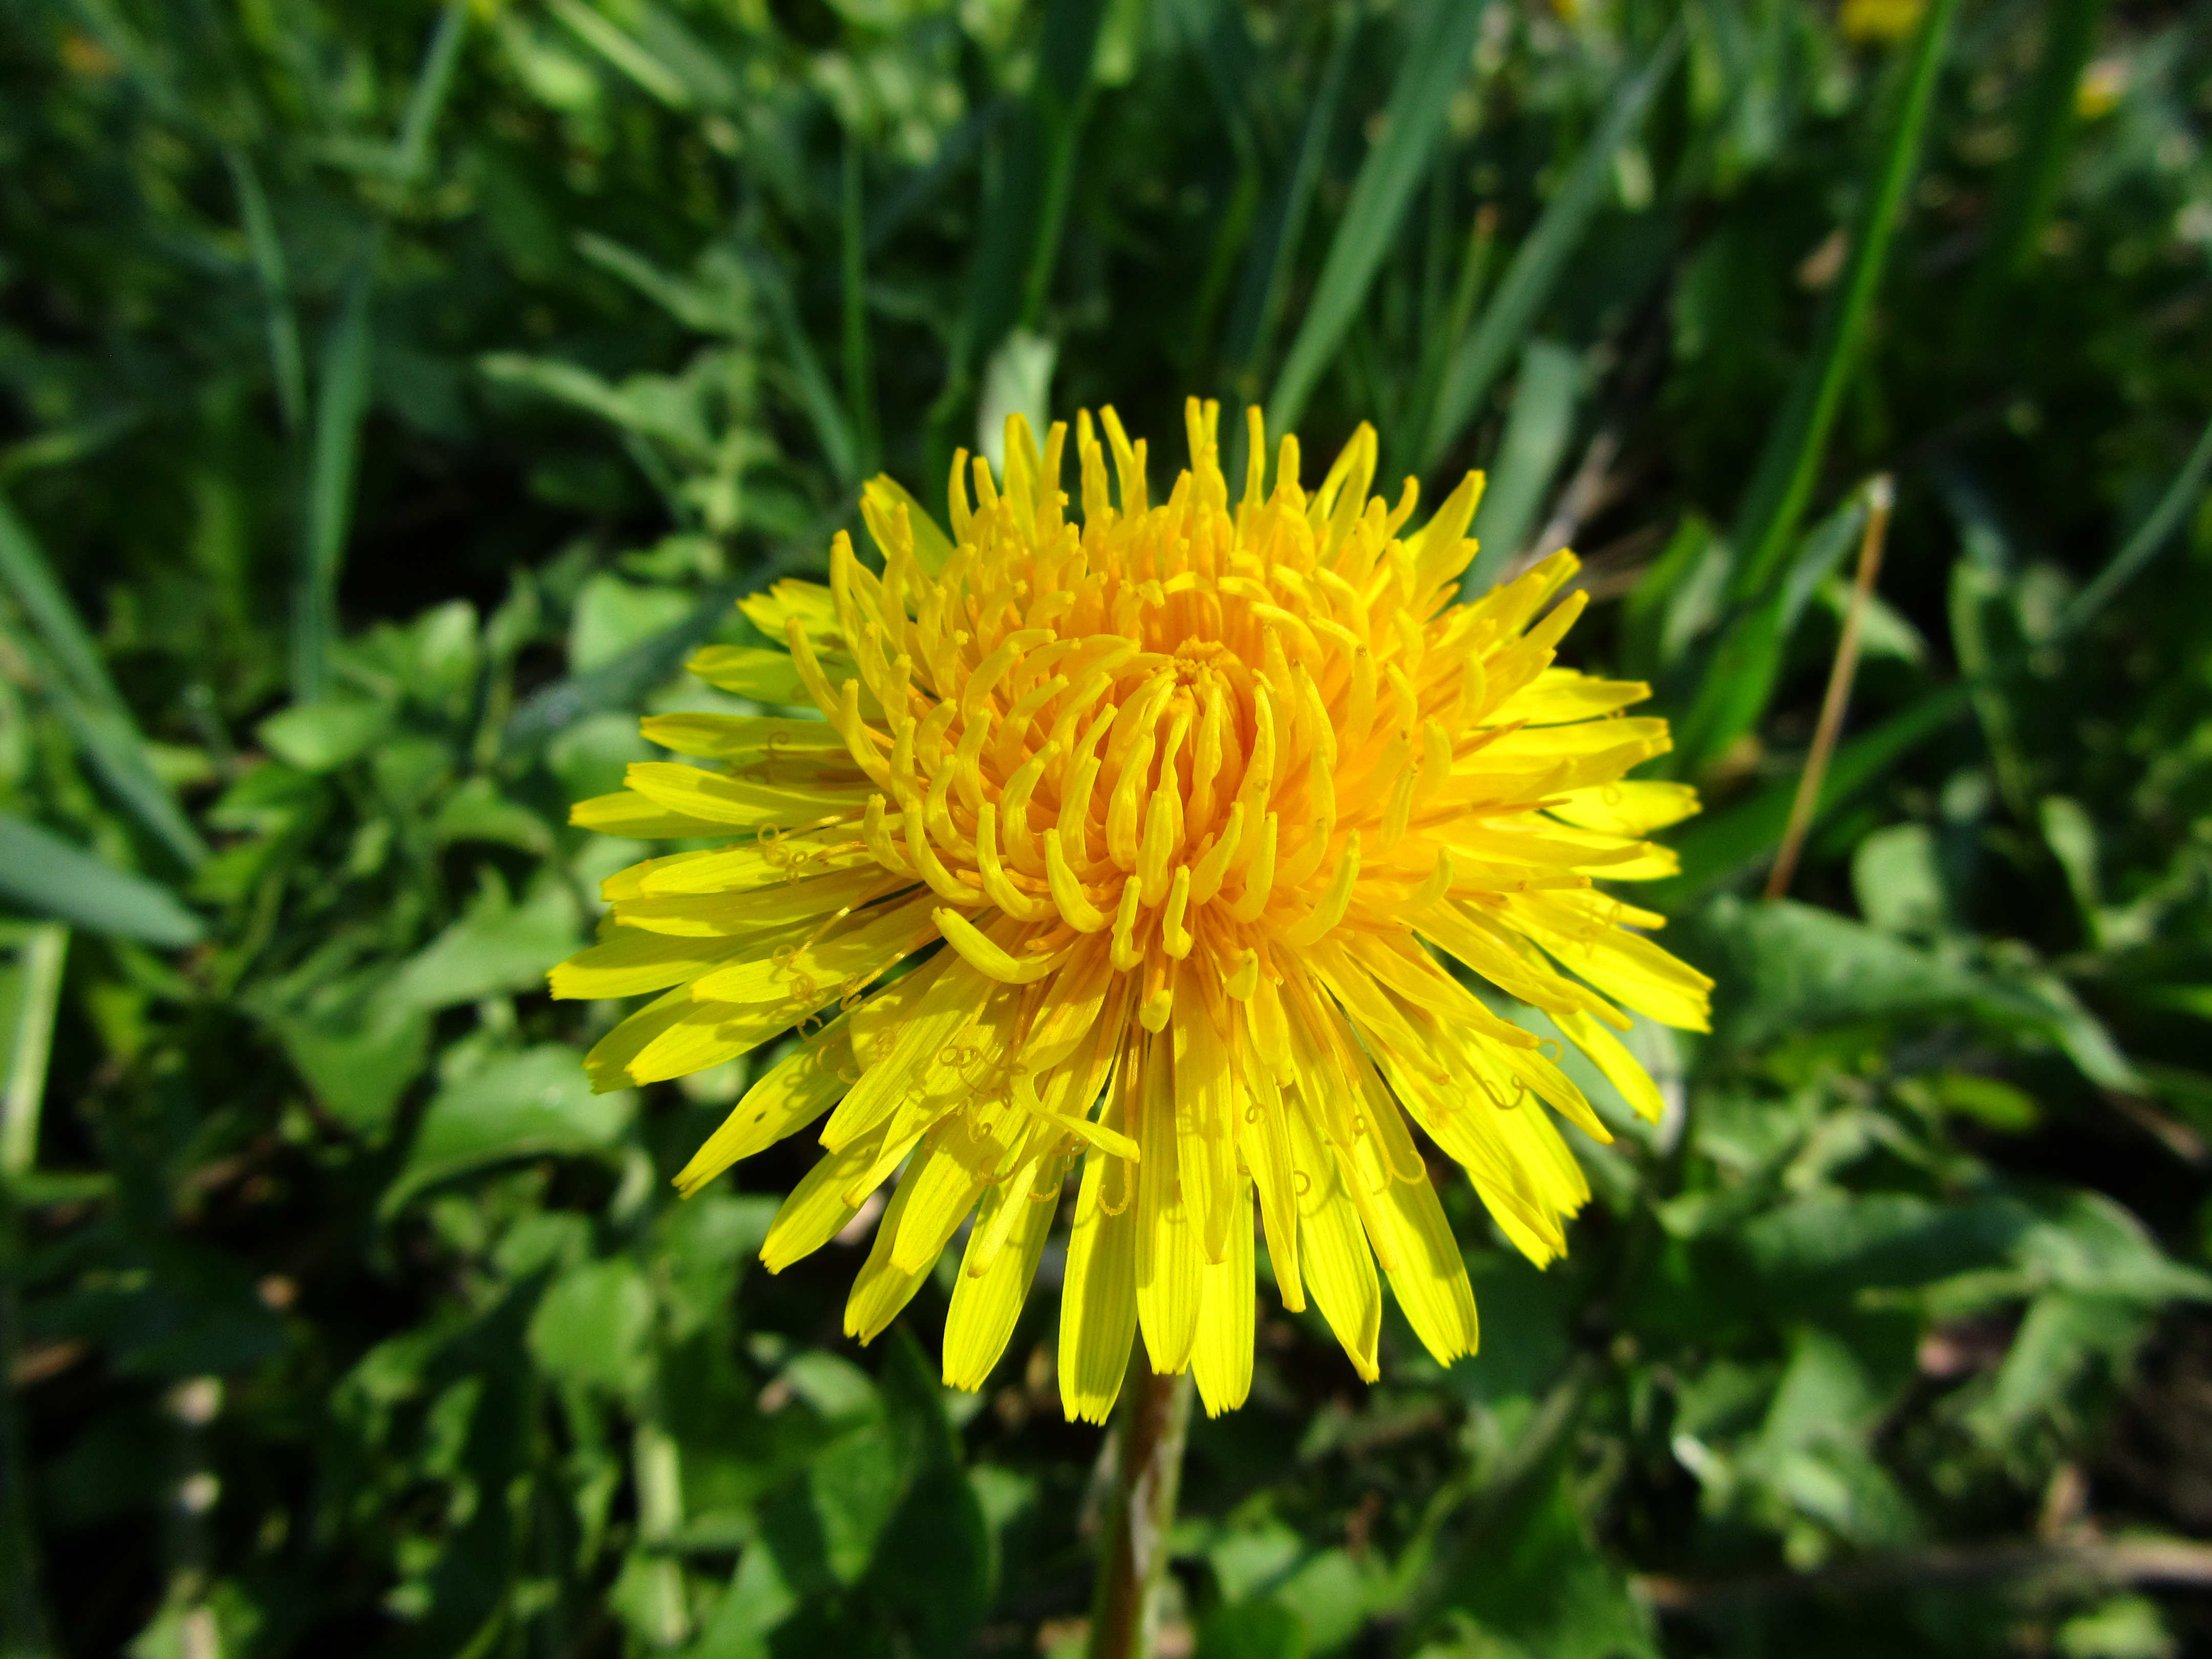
(1898,882)
(47,876)
(496,948)
(537,1104)
(323,736)
(357,1049)
(1545,1586)
(593,1326)
(613,616)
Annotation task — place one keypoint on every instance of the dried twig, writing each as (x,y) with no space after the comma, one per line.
(1881,494)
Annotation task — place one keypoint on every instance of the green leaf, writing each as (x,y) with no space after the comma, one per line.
(593,1328)
(2066,1338)
(1549,1588)
(323,736)
(357,1049)
(496,948)
(2144,544)
(1261,1629)
(537,1104)
(1272,260)
(1530,281)
(613,616)
(1439,40)
(48,876)
(1898,882)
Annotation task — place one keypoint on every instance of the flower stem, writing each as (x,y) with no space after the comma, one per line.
(1155,1414)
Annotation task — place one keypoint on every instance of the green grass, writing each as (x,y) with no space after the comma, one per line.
(393,395)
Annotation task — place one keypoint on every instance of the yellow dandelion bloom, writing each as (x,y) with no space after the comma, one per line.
(1141,843)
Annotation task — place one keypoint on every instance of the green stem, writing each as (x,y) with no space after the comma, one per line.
(1148,1471)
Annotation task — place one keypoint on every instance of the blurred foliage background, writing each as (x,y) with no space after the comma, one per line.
(392,397)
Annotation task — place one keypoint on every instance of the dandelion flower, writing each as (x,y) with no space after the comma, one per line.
(1145,845)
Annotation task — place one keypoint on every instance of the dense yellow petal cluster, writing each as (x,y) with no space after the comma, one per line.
(1172,814)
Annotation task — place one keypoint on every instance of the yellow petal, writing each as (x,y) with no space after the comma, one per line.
(626,813)
(1206,1105)
(986,1305)
(629,962)
(1221,1360)
(1169,1256)
(754,911)
(710,1034)
(1333,1255)
(817,1211)
(1621,1069)
(1263,1137)
(1558,694)
(608,1063)
(742,802)
(1098,1300)
(1428,1275)
(1630,807)
(882,1287)
(747,738)
(792,1094)
(848,959)
(749,672)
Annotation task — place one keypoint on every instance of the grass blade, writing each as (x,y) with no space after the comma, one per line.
(81,690)
(31,584)
(341,403)
(1788,466)
(1439,46)
(2144,546)
(818,398)
(860,378)
(1267,266)
(1534,272)
(1743,671)
(411,153)
(48,876)
(286,361)
(1536,434)
(2029,185)
(37,998)
(641,66)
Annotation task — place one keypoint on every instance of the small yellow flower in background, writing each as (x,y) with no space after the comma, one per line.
(2102,85)
(1881,21)
(1185,798)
